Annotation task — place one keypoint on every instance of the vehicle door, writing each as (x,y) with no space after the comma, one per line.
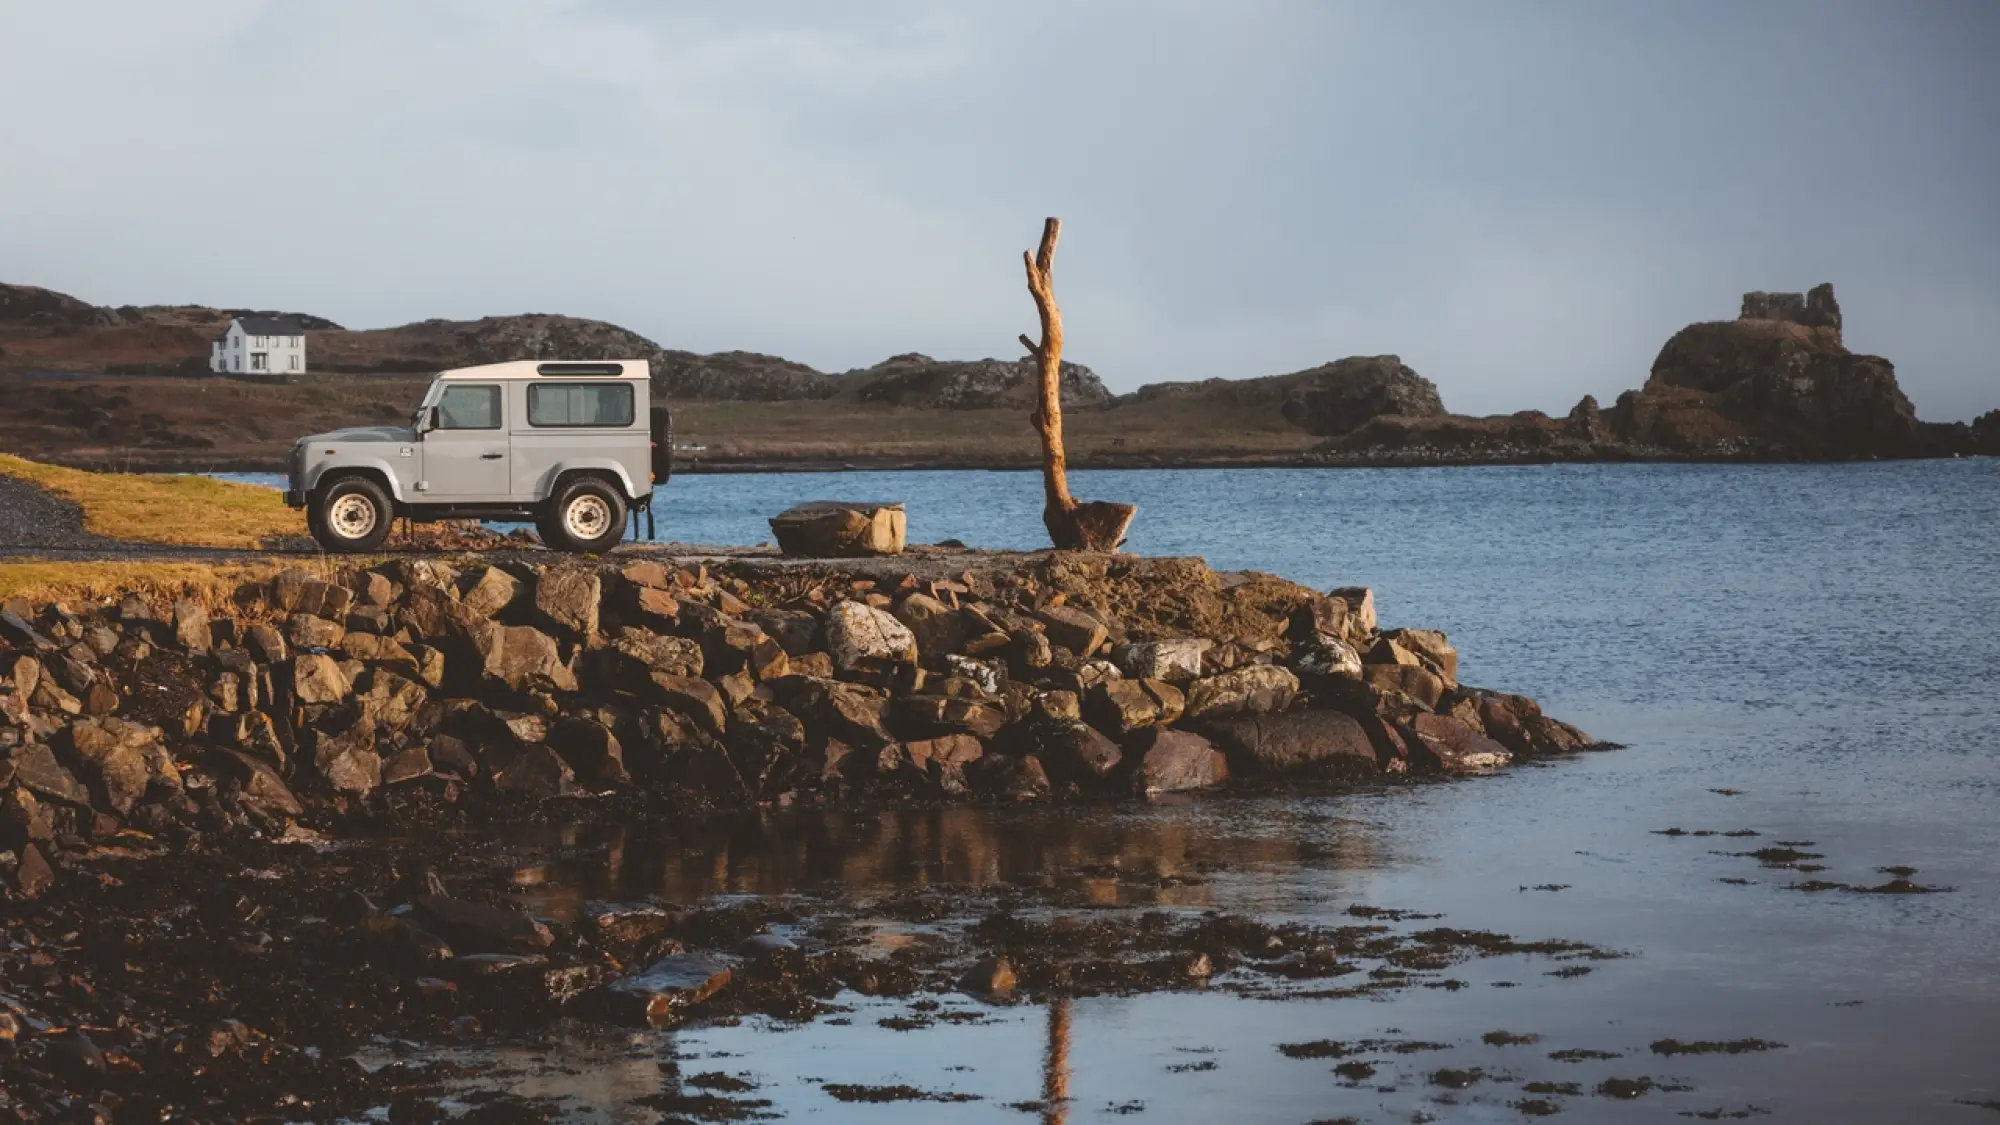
(466,455)
(559,420)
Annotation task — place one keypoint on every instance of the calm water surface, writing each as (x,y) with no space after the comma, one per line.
(1819,640)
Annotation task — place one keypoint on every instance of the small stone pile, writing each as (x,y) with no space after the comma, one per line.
(424,681)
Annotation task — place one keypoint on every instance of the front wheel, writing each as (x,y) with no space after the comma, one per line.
(586,516)
(351,514)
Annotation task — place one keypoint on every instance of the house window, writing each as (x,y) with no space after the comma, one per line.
(259,361)
(295,363)
(580,404)
(469,408)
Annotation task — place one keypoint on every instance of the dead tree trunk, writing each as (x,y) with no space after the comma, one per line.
(1097,526)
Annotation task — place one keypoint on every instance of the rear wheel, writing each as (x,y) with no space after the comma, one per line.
(351,514)
(586,515)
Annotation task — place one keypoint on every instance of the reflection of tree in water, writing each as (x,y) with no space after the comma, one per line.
(1055,1065)
(886,851)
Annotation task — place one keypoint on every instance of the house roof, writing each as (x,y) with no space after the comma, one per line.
(270,326)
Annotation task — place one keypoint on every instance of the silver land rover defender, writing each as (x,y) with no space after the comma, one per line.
(574,446)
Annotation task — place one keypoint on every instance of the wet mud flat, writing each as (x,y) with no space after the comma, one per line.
(517,971)
(311,980)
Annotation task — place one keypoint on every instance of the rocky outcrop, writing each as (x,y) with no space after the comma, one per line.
(1777,383)
(1345,395)
(1779,377)
(919,380)
(741,376)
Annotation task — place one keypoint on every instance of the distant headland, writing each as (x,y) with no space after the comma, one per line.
(130,387)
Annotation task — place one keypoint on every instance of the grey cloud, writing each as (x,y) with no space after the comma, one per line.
(1523,200)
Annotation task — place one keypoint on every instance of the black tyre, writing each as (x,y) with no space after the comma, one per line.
(586,516)
(351,514)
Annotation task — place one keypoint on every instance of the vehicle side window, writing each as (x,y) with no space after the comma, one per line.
(580,404)
(469,408)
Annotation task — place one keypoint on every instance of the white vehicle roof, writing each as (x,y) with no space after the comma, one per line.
(552,368)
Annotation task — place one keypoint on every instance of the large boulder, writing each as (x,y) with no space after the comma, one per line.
(1297,742)
(840,529)
(1171,761)
(1345,395)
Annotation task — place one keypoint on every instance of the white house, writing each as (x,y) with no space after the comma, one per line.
(260,343)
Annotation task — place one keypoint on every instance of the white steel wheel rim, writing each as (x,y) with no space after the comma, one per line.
(352,516)
(587,517)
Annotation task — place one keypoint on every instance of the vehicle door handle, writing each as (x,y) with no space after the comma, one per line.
(491,456)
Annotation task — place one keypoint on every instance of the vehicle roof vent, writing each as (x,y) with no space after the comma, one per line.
(599,370)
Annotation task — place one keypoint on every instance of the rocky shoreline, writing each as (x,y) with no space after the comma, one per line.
(219,808)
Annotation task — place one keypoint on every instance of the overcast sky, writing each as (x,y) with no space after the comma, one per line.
(1522,199)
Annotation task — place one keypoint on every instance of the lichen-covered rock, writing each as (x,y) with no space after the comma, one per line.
(1254,688)
(1176,661)
(859,636)
(638,653)
(1327,656)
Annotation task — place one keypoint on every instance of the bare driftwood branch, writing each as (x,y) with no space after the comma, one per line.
(1072,526)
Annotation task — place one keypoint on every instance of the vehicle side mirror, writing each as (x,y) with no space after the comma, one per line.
(427,419)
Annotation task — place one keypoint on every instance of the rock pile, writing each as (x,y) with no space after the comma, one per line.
(1058,675)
